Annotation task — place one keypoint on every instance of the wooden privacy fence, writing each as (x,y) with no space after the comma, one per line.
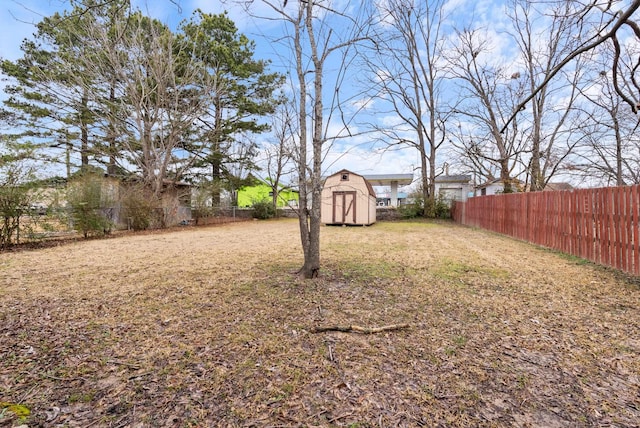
(601,225)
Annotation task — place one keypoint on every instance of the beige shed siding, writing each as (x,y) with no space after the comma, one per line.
(348,201)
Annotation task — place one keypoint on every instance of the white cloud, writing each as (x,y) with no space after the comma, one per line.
(365,161)
(248,20)
(364,103)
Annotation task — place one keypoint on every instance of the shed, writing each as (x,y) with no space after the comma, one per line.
(348,199)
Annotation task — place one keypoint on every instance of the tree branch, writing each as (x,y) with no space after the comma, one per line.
(624,19)
(361,330)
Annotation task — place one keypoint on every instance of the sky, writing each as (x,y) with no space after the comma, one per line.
(357,153)
(18,17)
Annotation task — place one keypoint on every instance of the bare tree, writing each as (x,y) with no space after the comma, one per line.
(316,30)
(161,90)
(488,94)
(609,25)
(544,38)
(279,152)
(408,73)
(609,150)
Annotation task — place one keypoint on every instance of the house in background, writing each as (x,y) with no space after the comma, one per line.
(174,205)
(390,180)
(383,199)
(262,190)
(496,187)
(347,199)
(172,208)
(454,187)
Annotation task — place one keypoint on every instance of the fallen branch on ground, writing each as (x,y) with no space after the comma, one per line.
(358,329)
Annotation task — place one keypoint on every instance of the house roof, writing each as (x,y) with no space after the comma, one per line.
(453,179)
(387,179)
(558,186)
(367,183)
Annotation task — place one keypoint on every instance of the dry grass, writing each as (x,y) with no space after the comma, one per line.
(209,327)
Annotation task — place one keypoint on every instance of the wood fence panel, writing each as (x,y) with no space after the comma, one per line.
(633,221)
(613,234)
(547,226)
(589,225)
(569,224)
(616,227)
(606,221)
(579,201)
(601,225)
(625,212)
(606,230)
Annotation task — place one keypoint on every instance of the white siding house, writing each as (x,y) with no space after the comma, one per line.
(454,187)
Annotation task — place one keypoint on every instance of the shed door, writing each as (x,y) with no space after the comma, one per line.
(344,207)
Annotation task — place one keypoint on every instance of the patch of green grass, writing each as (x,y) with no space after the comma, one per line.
(450,351)
(359,270)
(460,340)
(20,410)
(572,259)
(522,380)
(81,397)
(451,270)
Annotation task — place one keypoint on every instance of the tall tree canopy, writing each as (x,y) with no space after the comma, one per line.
(112,86)
(244,91)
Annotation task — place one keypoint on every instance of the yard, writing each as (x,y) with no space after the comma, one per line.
(210,327)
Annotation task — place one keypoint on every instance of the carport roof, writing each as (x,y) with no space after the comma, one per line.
(387,179)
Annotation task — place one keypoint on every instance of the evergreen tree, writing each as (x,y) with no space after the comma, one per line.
(244,92)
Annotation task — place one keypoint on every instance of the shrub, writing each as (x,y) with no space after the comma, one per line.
(437,208)
(17,192)
(202,206)
(408,211)
(263,210)
(13,203)
(431,208)
(138,207)
(89,205)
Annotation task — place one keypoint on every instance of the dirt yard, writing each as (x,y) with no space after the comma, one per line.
(209,327)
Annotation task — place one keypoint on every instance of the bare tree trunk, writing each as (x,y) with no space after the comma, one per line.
(111,133)
(426,189)
(616,127)
(311,265)
(407,70)
(311,254)
(314,39)
(505,176)
(84,130)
